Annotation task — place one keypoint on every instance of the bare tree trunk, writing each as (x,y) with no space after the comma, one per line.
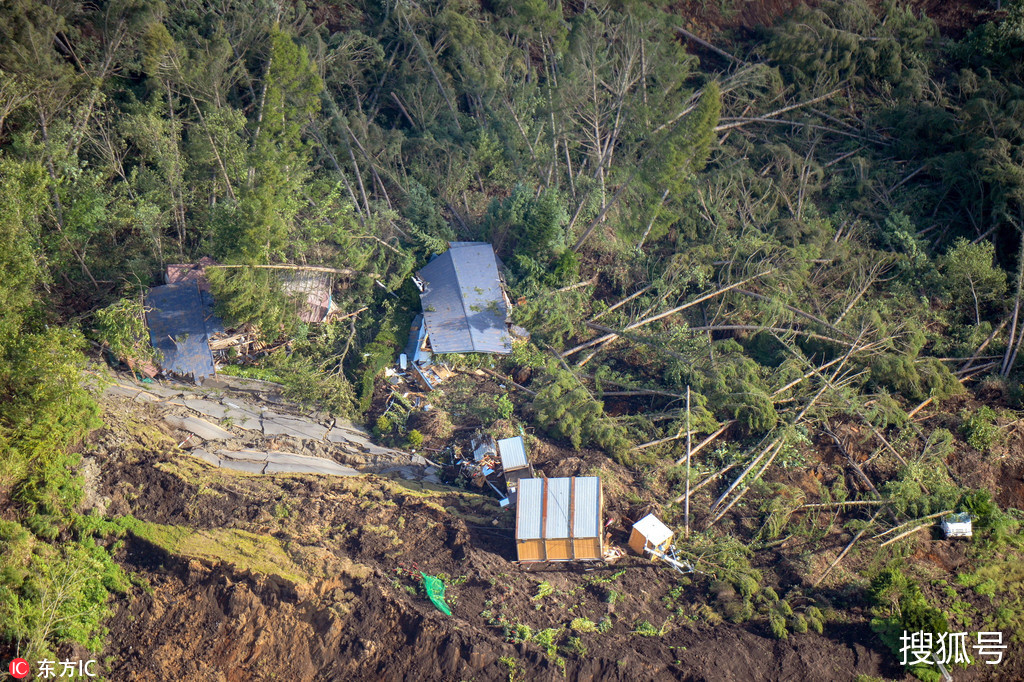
(689,455)
(1014,344)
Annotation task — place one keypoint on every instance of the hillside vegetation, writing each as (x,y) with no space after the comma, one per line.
(816,227)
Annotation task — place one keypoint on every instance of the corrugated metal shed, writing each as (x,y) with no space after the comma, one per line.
(181,319)
(513,453)
(559,519)
(463,306)
(587,507)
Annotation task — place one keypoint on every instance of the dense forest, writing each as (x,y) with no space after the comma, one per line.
(817,227)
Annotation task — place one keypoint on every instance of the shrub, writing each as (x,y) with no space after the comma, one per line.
(979,428)
(122,327)
(583,625)
(415,438)
(777,624)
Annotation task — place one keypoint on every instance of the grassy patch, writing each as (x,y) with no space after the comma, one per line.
(244,550)
(1003,583)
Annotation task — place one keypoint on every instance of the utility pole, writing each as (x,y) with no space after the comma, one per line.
(686,504)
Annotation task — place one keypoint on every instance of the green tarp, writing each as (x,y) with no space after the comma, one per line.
(435,590)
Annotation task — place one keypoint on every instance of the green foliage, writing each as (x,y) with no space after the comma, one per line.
(645,629)
(583,625)
(777,625)
(415,438)
(305,382)
(544,589)
(972,281)
(272,198)
(848,41)
(920,489)
(566,408)
(255,296)
(915,377)
(979,428)
(504,407)
(121,326)
(680,157)
(900,599)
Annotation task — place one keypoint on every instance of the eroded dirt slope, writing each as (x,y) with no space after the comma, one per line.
(338,601)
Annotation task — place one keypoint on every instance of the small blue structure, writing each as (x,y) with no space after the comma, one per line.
(464,306)
(181,319)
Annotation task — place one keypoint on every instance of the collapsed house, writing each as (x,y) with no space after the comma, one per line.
(465,309)
(181,320)
(560,519)
(190,337)
(312,289)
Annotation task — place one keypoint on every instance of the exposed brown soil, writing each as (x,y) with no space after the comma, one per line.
(358,616)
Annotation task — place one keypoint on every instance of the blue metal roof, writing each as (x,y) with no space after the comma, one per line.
(463,307)
(181,319)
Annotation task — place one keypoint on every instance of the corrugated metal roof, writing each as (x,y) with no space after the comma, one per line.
(586,507)
(463,307)
(180,318)
(556,525)
(529,509)
(513,453)
(555,497)
(653,529)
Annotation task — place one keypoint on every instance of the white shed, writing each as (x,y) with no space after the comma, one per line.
(957,525)
(650,533)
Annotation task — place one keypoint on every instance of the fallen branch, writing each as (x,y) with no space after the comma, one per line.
(911,522)
(926,403)
(707,440)
(846,549)
(618,305)
(705,44)
(495,375)
(310,268)
(348,315)
(905,534)
(683,433)
(796,311)
(984,344)
(703,483)
(612,334)
(848,503)
(778,112)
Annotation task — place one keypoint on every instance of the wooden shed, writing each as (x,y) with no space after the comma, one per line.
(560,519)
(650,533)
